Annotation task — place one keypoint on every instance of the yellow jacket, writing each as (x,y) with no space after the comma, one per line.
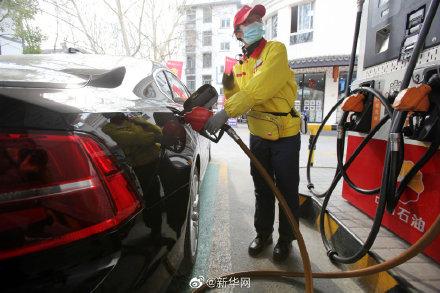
(138,139)
(264,83)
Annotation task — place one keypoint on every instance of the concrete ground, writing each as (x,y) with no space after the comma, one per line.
(226,228)
(421,272)
(227,225)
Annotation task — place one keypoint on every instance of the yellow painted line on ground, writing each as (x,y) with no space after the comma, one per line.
(380,282)
(313,128)
(377,283)
(330,226)
(223,173)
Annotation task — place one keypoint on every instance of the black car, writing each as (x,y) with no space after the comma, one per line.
(92,197)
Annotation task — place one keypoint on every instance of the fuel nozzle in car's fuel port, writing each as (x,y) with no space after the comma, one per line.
(197,110)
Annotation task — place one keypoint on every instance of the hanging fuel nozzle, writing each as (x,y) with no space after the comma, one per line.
(421,102)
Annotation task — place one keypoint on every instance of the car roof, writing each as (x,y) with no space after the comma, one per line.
(89,83)
(66,68)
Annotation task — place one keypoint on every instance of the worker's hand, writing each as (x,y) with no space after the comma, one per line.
(228,81)
(216,122)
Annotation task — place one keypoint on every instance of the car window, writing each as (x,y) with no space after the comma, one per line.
(163,84)
(180,93)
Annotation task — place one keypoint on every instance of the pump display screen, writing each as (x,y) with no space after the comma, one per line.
(393,28)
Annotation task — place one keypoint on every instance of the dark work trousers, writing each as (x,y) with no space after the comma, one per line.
(281,160)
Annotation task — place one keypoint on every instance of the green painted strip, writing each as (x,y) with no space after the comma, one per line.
(208,192)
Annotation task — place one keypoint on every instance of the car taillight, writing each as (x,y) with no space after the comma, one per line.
(56,188)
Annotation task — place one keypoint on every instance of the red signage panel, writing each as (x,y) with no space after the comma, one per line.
(175,67)
(419,205)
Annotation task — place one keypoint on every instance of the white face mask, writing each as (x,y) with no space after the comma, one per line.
(253,32)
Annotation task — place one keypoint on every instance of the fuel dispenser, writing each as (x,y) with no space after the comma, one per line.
(387,44)
(392,107)
(375,120)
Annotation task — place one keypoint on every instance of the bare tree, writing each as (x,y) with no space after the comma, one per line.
(147,28)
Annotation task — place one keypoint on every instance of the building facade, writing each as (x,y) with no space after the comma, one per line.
(208,41)
(318,35)
(9,43)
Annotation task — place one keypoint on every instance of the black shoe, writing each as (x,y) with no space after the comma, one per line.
(281,250)
(259,244)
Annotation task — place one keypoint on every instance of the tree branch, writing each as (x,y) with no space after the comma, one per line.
(109,6)
(89,37)
(139,30)
(129,7)
(123,29)
(6,15)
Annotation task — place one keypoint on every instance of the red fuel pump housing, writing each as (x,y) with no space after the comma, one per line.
(419,205)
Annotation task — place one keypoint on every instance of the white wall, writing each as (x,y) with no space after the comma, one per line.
(8,43)
(333,29)
(219,35)
(333,26)
(10,47)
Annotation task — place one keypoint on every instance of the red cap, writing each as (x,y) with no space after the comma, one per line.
(245,11)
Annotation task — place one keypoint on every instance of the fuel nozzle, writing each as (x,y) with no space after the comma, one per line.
(434,82)
(197,118)
(197,111)
(205,96)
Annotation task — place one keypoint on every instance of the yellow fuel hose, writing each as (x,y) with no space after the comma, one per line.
(292,221)
(412,251)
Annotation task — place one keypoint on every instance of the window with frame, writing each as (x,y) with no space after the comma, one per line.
(190,64)
(225,23)
(207,14)
(190,48)
(207,38)
(190,14)
(207,60)
(206,79)
(191,82)
(301,23)
(342,85)
(190,23)
(191,37)
(179,92)
(271,27)
(224,46)
(310,94)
